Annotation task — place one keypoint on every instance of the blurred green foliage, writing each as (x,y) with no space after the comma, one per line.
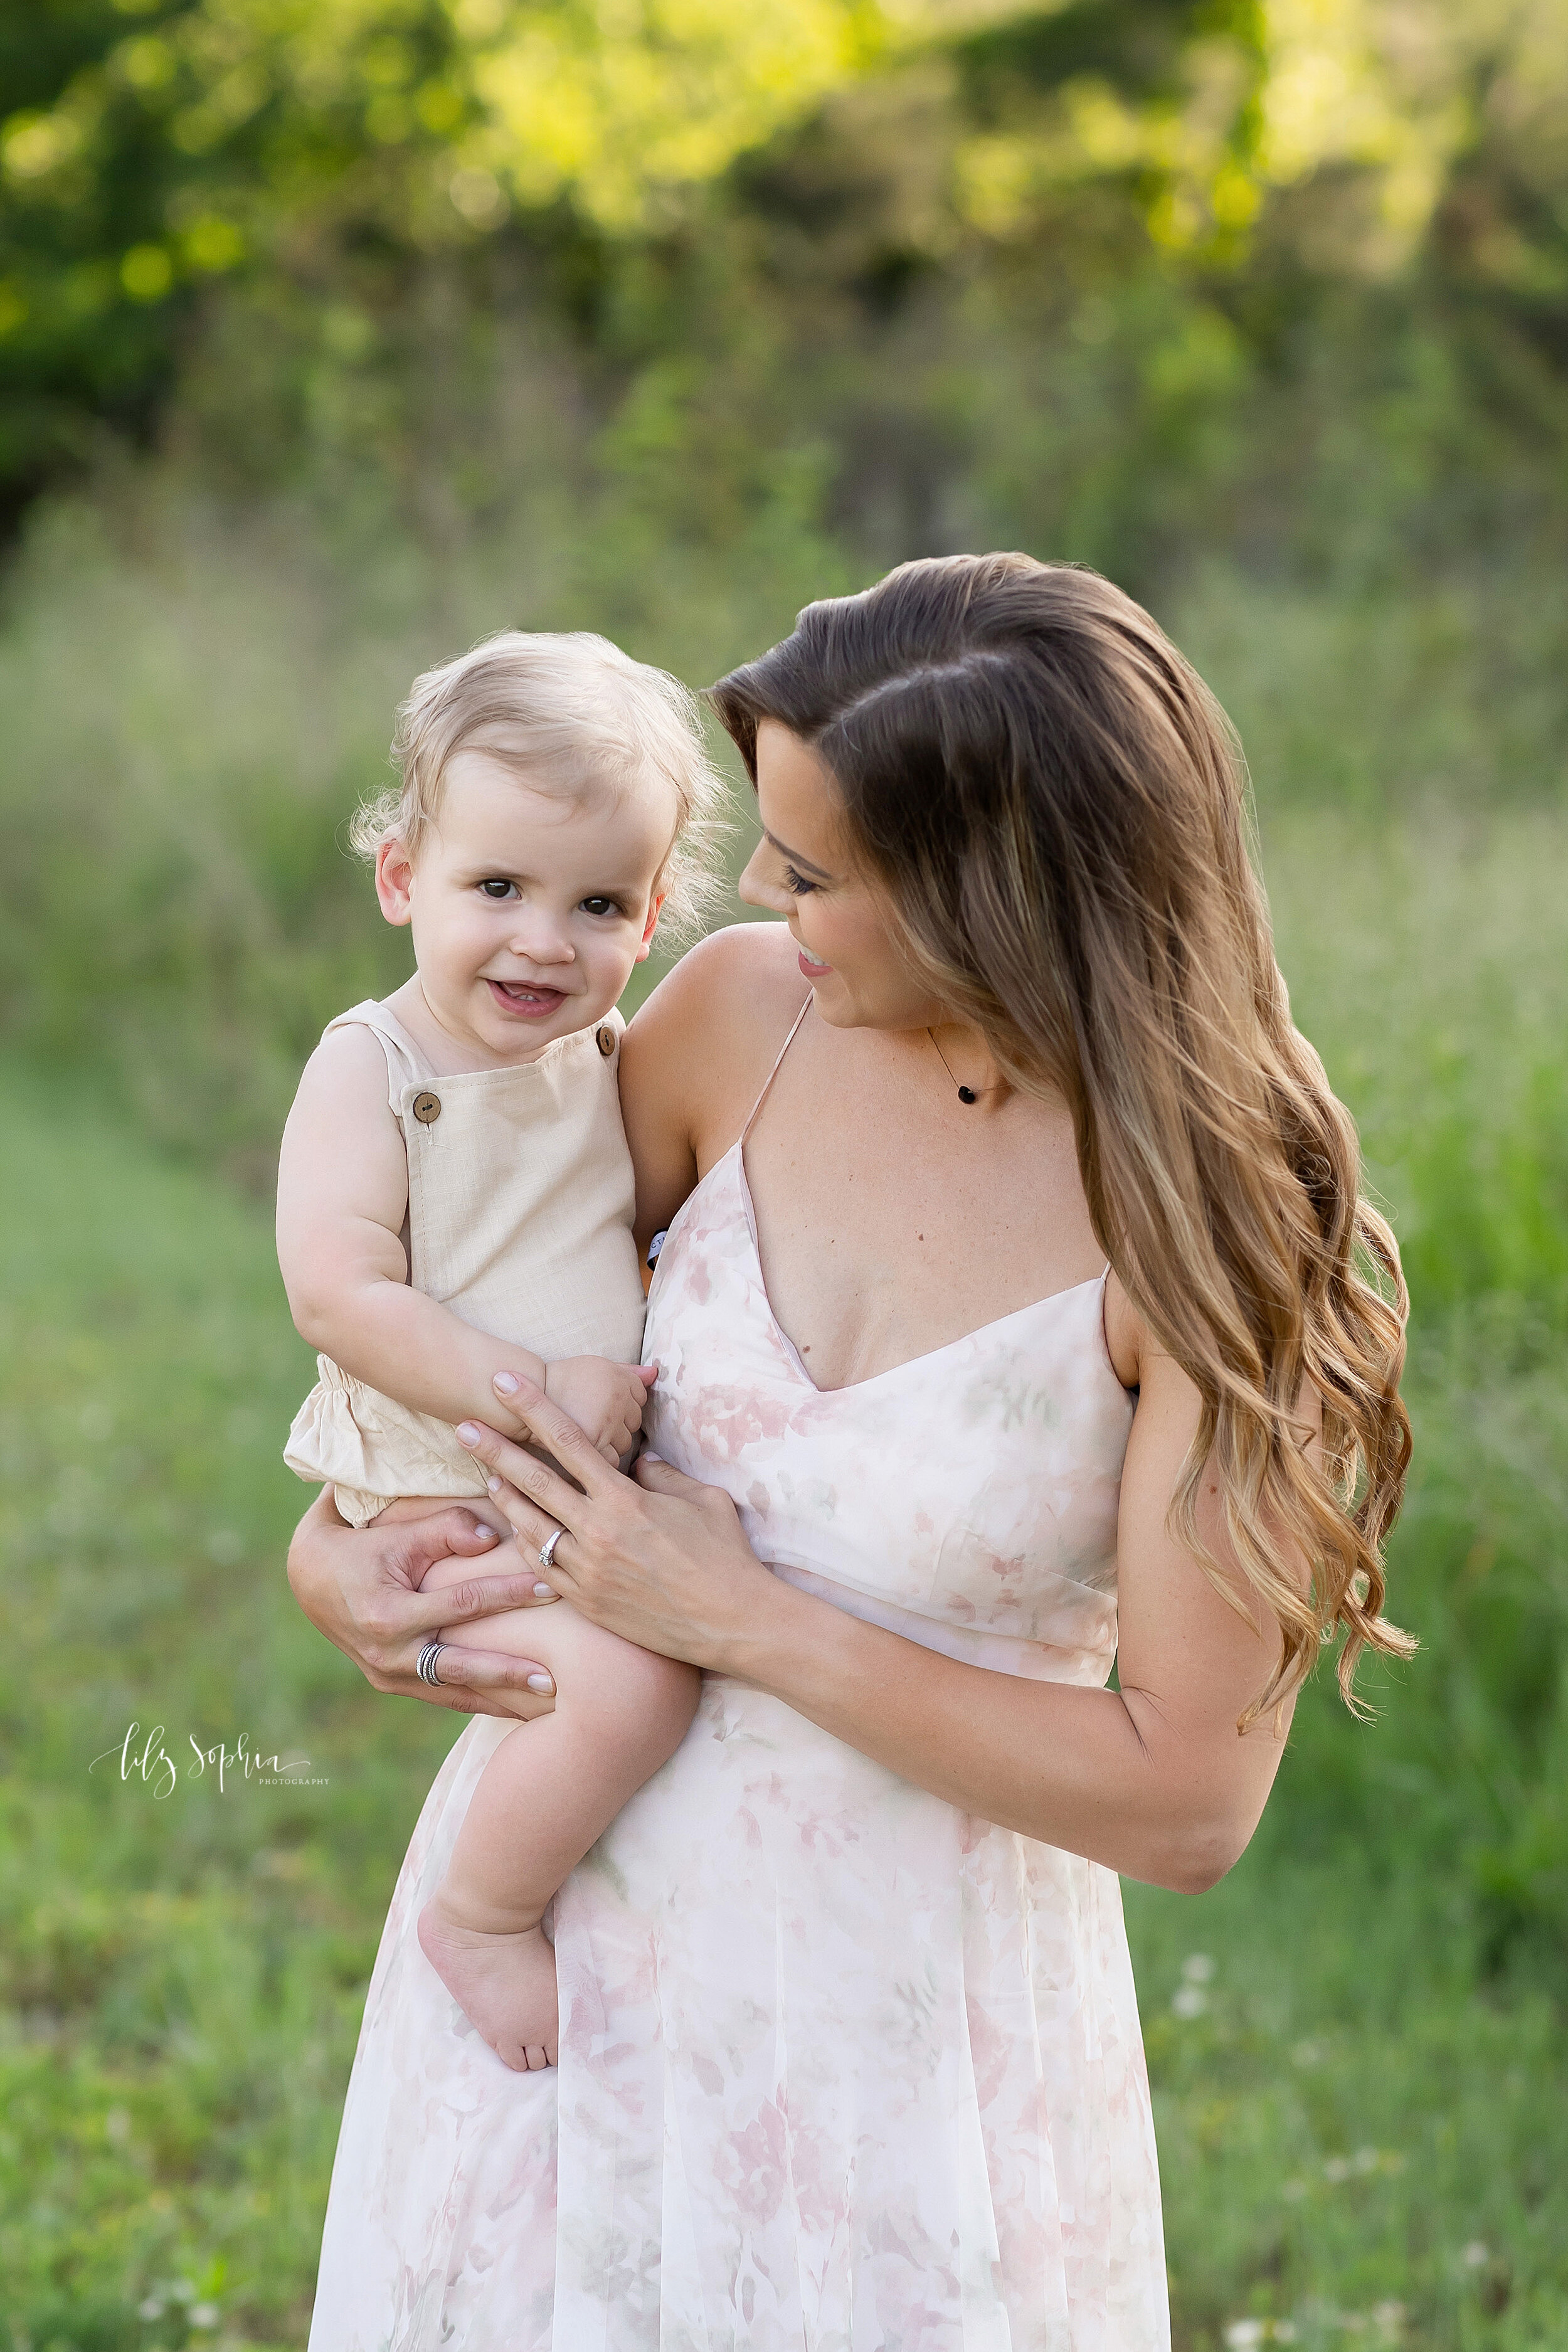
(1360,2096)
(334,333)
(661,317)
(1087,275)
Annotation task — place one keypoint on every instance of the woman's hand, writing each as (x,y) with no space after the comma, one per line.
(359,1587)
(661,1561)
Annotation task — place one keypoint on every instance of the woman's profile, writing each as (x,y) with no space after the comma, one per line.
(1019,1315)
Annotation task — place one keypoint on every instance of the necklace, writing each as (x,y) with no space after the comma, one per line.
(966,1094)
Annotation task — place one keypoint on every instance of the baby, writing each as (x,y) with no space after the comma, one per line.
(455,1200)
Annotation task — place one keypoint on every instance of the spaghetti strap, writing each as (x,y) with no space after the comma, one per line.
(772,1074)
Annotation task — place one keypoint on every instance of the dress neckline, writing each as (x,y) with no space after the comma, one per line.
(737,1153)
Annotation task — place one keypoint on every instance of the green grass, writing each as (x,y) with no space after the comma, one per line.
(183,1972)
(1365,2131)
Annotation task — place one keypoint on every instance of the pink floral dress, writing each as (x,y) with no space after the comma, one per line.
(842,2068)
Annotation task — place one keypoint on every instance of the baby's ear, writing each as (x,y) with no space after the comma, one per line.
(654,905)
(394,881)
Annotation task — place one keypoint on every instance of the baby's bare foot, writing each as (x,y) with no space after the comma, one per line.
(504,1985)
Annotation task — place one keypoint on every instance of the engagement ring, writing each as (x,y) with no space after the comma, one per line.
(547,1549)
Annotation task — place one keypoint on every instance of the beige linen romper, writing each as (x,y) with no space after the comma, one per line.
(519,1220)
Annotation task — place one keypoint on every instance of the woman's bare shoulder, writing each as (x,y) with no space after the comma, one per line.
(711,1029)
(734,982)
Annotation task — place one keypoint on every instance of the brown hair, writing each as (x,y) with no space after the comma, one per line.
(1055,808)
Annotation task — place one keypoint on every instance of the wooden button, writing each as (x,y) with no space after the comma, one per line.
(607,1038)
(426,1108)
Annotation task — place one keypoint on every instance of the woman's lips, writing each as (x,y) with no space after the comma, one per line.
(527,1003)
(812,971)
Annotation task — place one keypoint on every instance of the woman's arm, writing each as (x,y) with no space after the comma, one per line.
(1151,1779)
(359,1587)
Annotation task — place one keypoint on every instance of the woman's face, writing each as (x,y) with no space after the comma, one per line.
(802,868)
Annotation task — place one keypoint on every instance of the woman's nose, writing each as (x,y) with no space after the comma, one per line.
(755,889)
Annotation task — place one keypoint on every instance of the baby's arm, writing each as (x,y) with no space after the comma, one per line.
(342,1198)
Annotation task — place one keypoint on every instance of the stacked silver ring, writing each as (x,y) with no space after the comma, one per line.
(425,1665)
(547,1549)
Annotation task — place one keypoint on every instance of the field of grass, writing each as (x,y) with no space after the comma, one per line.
(1357,2042)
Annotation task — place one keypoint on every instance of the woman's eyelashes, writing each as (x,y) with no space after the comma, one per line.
(796,883)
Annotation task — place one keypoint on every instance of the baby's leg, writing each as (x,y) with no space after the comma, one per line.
(510,1630)
(551,1788)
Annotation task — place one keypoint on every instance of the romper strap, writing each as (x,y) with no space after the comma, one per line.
(405,1063)
(772,1074)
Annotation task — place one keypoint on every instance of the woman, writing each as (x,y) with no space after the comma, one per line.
(850,2052)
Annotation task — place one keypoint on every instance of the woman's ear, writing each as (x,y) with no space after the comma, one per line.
(654,904)
(394,881)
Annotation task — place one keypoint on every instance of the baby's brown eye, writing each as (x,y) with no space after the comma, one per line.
(600,907)
(495,887)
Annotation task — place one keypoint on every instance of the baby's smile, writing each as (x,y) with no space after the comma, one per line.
(527,1000)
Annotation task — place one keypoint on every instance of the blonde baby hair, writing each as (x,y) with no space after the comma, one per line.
(568,712)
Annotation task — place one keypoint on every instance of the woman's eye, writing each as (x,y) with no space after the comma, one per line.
(600,907)
(797,882)
(495,887)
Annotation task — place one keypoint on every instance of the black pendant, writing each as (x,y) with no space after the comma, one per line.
(967,1095)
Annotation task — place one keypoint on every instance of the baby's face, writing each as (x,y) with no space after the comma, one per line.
(529,908)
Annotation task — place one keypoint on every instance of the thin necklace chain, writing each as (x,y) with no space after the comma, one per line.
(966,1094)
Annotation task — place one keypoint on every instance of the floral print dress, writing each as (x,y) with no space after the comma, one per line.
(842,2068)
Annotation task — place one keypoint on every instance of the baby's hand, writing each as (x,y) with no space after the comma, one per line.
(604,1399)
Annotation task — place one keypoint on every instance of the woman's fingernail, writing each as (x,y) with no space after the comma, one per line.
(507,1384)
(540,1683)
(470,1432)
(544,1592)
(494,1486)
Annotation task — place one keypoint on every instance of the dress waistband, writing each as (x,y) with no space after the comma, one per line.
(1088,1665)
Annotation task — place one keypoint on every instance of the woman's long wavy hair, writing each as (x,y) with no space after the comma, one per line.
(1057,811)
